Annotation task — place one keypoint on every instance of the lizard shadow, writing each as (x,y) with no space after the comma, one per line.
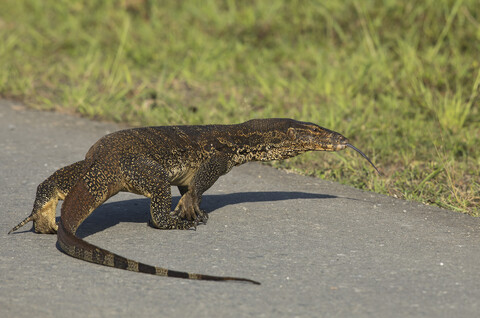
(138,210)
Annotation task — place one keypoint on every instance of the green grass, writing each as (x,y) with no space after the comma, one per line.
(400,79)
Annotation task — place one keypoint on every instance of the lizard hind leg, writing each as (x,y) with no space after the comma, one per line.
(44,218)
(49,192)
(44,210)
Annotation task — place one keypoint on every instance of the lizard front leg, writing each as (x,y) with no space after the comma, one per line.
(145,176)
(207,174)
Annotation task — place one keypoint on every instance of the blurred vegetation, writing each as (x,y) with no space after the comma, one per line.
(400,79)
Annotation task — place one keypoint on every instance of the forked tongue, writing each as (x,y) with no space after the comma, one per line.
(364,156)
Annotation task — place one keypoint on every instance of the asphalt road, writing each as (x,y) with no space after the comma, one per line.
(319,248)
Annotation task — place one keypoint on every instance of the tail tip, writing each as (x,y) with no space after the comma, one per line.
(255,282)
(242,280)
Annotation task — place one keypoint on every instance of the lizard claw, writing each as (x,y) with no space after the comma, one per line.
(202,216)
(188,209)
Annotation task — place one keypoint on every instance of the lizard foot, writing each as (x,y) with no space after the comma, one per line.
(44,225)
(172,223)
(189,209)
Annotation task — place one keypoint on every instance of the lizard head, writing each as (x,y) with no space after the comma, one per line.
(310,137)
(282,138)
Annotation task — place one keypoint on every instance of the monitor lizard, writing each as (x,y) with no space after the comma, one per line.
(148,161)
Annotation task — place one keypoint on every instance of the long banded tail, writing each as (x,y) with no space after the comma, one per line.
(78,248)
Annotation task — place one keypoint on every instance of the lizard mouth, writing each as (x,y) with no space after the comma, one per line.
(339,147)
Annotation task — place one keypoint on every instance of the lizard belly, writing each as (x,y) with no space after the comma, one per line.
(182,178)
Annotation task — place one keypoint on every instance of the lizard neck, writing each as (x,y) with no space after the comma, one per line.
(265,152)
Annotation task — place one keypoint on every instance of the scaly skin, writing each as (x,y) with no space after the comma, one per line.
(148,161)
